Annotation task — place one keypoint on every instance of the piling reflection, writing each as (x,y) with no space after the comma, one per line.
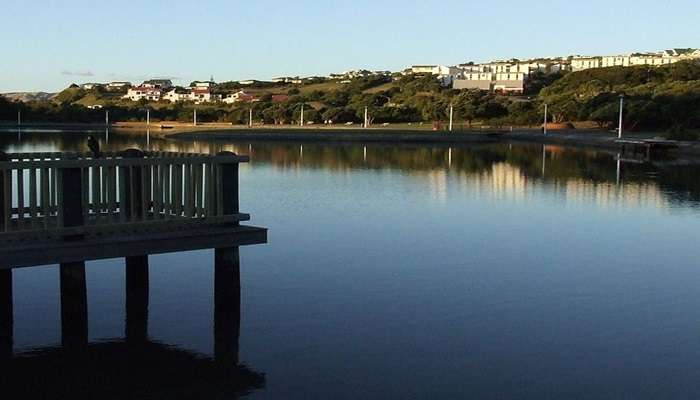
(135,366)
(119,370)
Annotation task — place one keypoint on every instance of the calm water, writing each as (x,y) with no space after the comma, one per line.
(490,272)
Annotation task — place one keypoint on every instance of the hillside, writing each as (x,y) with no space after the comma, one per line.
(28,96)
(655,97)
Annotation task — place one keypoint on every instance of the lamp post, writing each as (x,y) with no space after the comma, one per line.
(451,115)
(301,119)
(619,128)
(544,127)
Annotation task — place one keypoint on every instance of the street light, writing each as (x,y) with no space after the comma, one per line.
(622,106)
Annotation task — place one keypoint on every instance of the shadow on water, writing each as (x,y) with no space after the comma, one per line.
(134,366)
(121,369)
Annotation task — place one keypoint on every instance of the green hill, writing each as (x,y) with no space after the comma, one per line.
(655,97)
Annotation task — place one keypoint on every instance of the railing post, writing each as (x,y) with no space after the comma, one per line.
(3,157)
(229,184)
(71,195)
(131,204)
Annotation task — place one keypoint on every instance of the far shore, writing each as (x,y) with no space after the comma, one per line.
(394,133)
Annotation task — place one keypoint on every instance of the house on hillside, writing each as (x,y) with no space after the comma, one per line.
(446,75)
(163,84)
(203,95)
(240,97)
(117,85)
(177,94)
(90,86)
(203,84)
(143,92)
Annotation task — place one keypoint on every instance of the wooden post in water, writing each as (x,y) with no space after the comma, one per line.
(131,203)
(227,305)
(6,317)
(74,309)
(136,324)
(229,185)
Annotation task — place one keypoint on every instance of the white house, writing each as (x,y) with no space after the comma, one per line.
(446,75)
(163,84)
(90,86)
(176,95)
(505,82)
(143,92)
(117,85)
(240,96)
(203,84)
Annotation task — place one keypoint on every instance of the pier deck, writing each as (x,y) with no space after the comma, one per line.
(65,207)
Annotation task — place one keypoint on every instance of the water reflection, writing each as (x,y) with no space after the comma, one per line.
(509,170)
(135,366)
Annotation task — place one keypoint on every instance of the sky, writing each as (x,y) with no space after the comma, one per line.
(46,45)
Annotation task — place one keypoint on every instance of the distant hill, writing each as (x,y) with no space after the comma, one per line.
(29,96)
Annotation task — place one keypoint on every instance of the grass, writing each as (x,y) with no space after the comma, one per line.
(380,88)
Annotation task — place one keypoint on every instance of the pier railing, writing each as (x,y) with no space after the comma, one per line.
(68,195)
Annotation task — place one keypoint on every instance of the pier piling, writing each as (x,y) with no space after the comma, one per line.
(227,304)
(74,309)
(6,315)
(137,282)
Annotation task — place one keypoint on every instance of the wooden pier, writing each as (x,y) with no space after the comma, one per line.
(648,147)
(69,208)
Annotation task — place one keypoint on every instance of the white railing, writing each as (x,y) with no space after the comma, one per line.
(64,194)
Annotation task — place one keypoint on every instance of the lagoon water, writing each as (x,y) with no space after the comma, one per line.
(503,271)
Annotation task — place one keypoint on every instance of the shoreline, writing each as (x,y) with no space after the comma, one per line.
(582,138)
(572,138)
(340,135)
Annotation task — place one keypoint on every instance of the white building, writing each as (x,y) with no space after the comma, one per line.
(446,75)
(117,85)
(203,84)
(240,96)
(175,95)
(143,92)
(581,63)
(90,86)
(163,84)
(203,95)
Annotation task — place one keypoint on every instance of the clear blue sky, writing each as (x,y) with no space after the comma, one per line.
(46,45)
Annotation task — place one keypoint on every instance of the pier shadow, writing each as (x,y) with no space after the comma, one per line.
(135,366)
(122,369)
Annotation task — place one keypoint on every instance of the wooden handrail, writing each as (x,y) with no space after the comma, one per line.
(71,193)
